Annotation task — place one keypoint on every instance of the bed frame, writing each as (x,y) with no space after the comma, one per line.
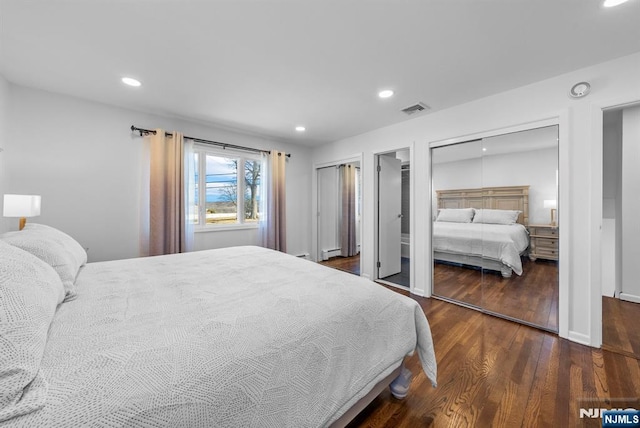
(497,198)
(361,404)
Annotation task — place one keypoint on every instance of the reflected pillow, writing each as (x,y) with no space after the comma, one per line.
(30,291)
(496,216)
(456,215)
(55,248)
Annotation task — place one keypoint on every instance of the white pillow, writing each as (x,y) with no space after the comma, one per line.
(496,216)
(31,290)
(455,215)
(55,248)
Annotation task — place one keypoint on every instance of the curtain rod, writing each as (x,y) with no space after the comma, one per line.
(143,131)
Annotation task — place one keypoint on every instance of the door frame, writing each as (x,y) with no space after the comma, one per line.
(314,201)
(597,147)
(412,246)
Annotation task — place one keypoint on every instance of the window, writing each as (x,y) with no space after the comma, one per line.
(227,188)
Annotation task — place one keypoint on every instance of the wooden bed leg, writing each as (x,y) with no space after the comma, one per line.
(400,385)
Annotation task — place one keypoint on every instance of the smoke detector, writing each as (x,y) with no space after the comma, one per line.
(416,108)
(580,90)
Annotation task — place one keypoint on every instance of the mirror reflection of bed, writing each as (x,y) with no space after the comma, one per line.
(494,239)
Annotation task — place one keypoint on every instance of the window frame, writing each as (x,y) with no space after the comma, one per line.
(203,151)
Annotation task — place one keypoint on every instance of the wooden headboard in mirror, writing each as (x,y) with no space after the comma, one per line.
(496,198)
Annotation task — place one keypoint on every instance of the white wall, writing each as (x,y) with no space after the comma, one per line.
(4,144)
(462,174)
(630,204)
(580,148)
(536,168)
(85,162)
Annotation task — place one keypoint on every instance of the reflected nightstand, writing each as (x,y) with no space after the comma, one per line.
(544,242)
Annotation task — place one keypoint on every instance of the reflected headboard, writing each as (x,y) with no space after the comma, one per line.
(495,198)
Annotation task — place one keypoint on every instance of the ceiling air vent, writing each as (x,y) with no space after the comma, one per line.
(416,108)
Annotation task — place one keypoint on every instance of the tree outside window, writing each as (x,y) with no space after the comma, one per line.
(232,189)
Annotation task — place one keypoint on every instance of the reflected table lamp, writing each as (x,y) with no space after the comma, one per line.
(21,206)
(551,203)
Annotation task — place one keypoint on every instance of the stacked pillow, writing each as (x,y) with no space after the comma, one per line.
(455,215)
(31,290)
(38,268)
(472,215)
(496,216)
(53,247)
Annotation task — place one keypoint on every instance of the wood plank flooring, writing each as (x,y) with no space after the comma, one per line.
(532,297)
(620,326)
(352,265)
(496,373)
(347,264)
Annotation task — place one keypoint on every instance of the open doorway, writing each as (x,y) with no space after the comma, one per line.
(393,228)
(620,233)
(339,216)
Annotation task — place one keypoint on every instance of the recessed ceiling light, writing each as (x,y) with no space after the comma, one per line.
(131,81)
(300,128)
(612,3)
(385,94)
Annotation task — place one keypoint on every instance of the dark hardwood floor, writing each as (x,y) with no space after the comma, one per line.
(352,265)
(347,264)
(496,373)
(620,326)
(532,297)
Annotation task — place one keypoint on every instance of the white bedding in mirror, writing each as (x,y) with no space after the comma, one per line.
(503,243)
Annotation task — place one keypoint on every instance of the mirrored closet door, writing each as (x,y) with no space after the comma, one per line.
(495,230)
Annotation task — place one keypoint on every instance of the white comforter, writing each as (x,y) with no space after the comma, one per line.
(238,337)
(499,242)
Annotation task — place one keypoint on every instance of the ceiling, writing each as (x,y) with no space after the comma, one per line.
(514,142)
(266,66)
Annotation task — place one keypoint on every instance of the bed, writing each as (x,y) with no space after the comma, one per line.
(241,336)
(490,246)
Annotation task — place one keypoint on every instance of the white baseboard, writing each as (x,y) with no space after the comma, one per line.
(418,292)
(579,338)
(630,297)
(327,254)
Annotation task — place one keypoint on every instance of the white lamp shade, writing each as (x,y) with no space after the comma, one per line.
(21,205)
(550,203)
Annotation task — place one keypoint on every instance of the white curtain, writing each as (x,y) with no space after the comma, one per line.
(167,218)
(273,209)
